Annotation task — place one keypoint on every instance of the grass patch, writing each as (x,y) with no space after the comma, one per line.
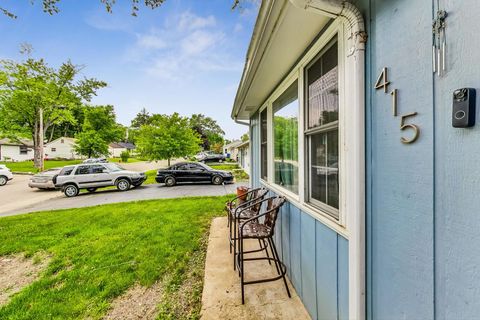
(27,166)
(99,252)
(225,166)
(238,172)
(119,160)
(151,174)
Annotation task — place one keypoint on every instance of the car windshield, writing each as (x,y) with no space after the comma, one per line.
(113,167)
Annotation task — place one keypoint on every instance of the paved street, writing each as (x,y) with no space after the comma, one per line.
(16,194)
(16,197)
(155,191)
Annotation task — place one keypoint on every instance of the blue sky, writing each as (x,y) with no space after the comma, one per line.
(186,56)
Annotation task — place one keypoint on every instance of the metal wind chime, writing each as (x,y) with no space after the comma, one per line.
(439,43)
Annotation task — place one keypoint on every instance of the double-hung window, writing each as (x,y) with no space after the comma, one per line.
(321,130)
(285,139)
(263,145)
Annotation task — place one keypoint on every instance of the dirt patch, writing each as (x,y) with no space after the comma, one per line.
(137,303)
(166,298)
(184,301)
(17,272)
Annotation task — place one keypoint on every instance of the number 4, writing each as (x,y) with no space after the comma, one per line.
(382,81)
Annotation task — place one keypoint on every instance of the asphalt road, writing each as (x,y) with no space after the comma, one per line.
(16,194)
(147,192)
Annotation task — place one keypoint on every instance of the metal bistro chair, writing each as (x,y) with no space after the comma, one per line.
(243,211)
(231,205)
(262,229)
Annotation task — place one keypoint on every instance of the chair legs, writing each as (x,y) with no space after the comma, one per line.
(277,260)
(279,266)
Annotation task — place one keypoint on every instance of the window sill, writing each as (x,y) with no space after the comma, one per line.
(314,212)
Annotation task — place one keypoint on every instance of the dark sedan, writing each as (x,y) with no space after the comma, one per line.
(192,172)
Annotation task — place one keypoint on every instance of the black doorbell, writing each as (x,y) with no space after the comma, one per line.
(463,111)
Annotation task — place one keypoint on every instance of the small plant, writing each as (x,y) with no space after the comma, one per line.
(124,156)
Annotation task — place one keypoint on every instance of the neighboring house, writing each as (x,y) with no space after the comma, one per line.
(20,150)
(62,148)
(231,150)
(350,118)
(244,156)
(115,149)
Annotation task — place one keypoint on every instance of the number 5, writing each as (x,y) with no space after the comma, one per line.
(404,126)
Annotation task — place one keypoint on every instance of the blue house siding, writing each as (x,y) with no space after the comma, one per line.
(422,203)
(317,261)
(457,172)
(401,176)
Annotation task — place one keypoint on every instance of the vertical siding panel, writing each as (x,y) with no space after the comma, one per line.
(342,276)
(286,237)
(295,245)
(309,294)
(326,272)
(457,218)
(278,232)
(401,222)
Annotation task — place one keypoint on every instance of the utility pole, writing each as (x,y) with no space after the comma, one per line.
(41,138)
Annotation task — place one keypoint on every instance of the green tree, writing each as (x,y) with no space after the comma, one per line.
(245,137)
(208,130)
(167,137)
(99,129)
(102,119)
(34,97)
(90,144)
(142,118)
(51,6)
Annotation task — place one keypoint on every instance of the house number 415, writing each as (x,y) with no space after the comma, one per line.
(383,83)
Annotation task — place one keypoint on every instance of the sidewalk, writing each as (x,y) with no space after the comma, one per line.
(222,293)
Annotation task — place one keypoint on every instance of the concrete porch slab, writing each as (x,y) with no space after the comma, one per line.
(222,292)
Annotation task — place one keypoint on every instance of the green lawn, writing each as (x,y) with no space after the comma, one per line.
(151,174)
(118,160)
(27,166)
(238,173)
(99,252)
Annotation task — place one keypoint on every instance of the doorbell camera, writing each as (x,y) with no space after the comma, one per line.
(463,111)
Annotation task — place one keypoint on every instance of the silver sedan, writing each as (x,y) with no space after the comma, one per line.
(44,180)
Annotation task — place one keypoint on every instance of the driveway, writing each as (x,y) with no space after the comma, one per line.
(148,192)
(16,194)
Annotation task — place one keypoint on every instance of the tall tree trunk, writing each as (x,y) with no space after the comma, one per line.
(38,141)
(51,134)
(169,162)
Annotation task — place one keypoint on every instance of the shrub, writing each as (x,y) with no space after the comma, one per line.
(124,156)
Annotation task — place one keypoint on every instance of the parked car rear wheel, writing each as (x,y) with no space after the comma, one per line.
(123,184)
(70,190)
(217,180)
(91,189)
(3,180)
(170,181)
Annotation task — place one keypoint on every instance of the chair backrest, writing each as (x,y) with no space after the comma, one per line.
(260,195)
(273,207)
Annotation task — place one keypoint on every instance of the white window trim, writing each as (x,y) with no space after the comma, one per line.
(297,74)
(286,83)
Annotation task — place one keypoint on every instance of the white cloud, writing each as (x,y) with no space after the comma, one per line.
(238,27)
(186,46)
(190,21)
(150,41)
(200,41)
